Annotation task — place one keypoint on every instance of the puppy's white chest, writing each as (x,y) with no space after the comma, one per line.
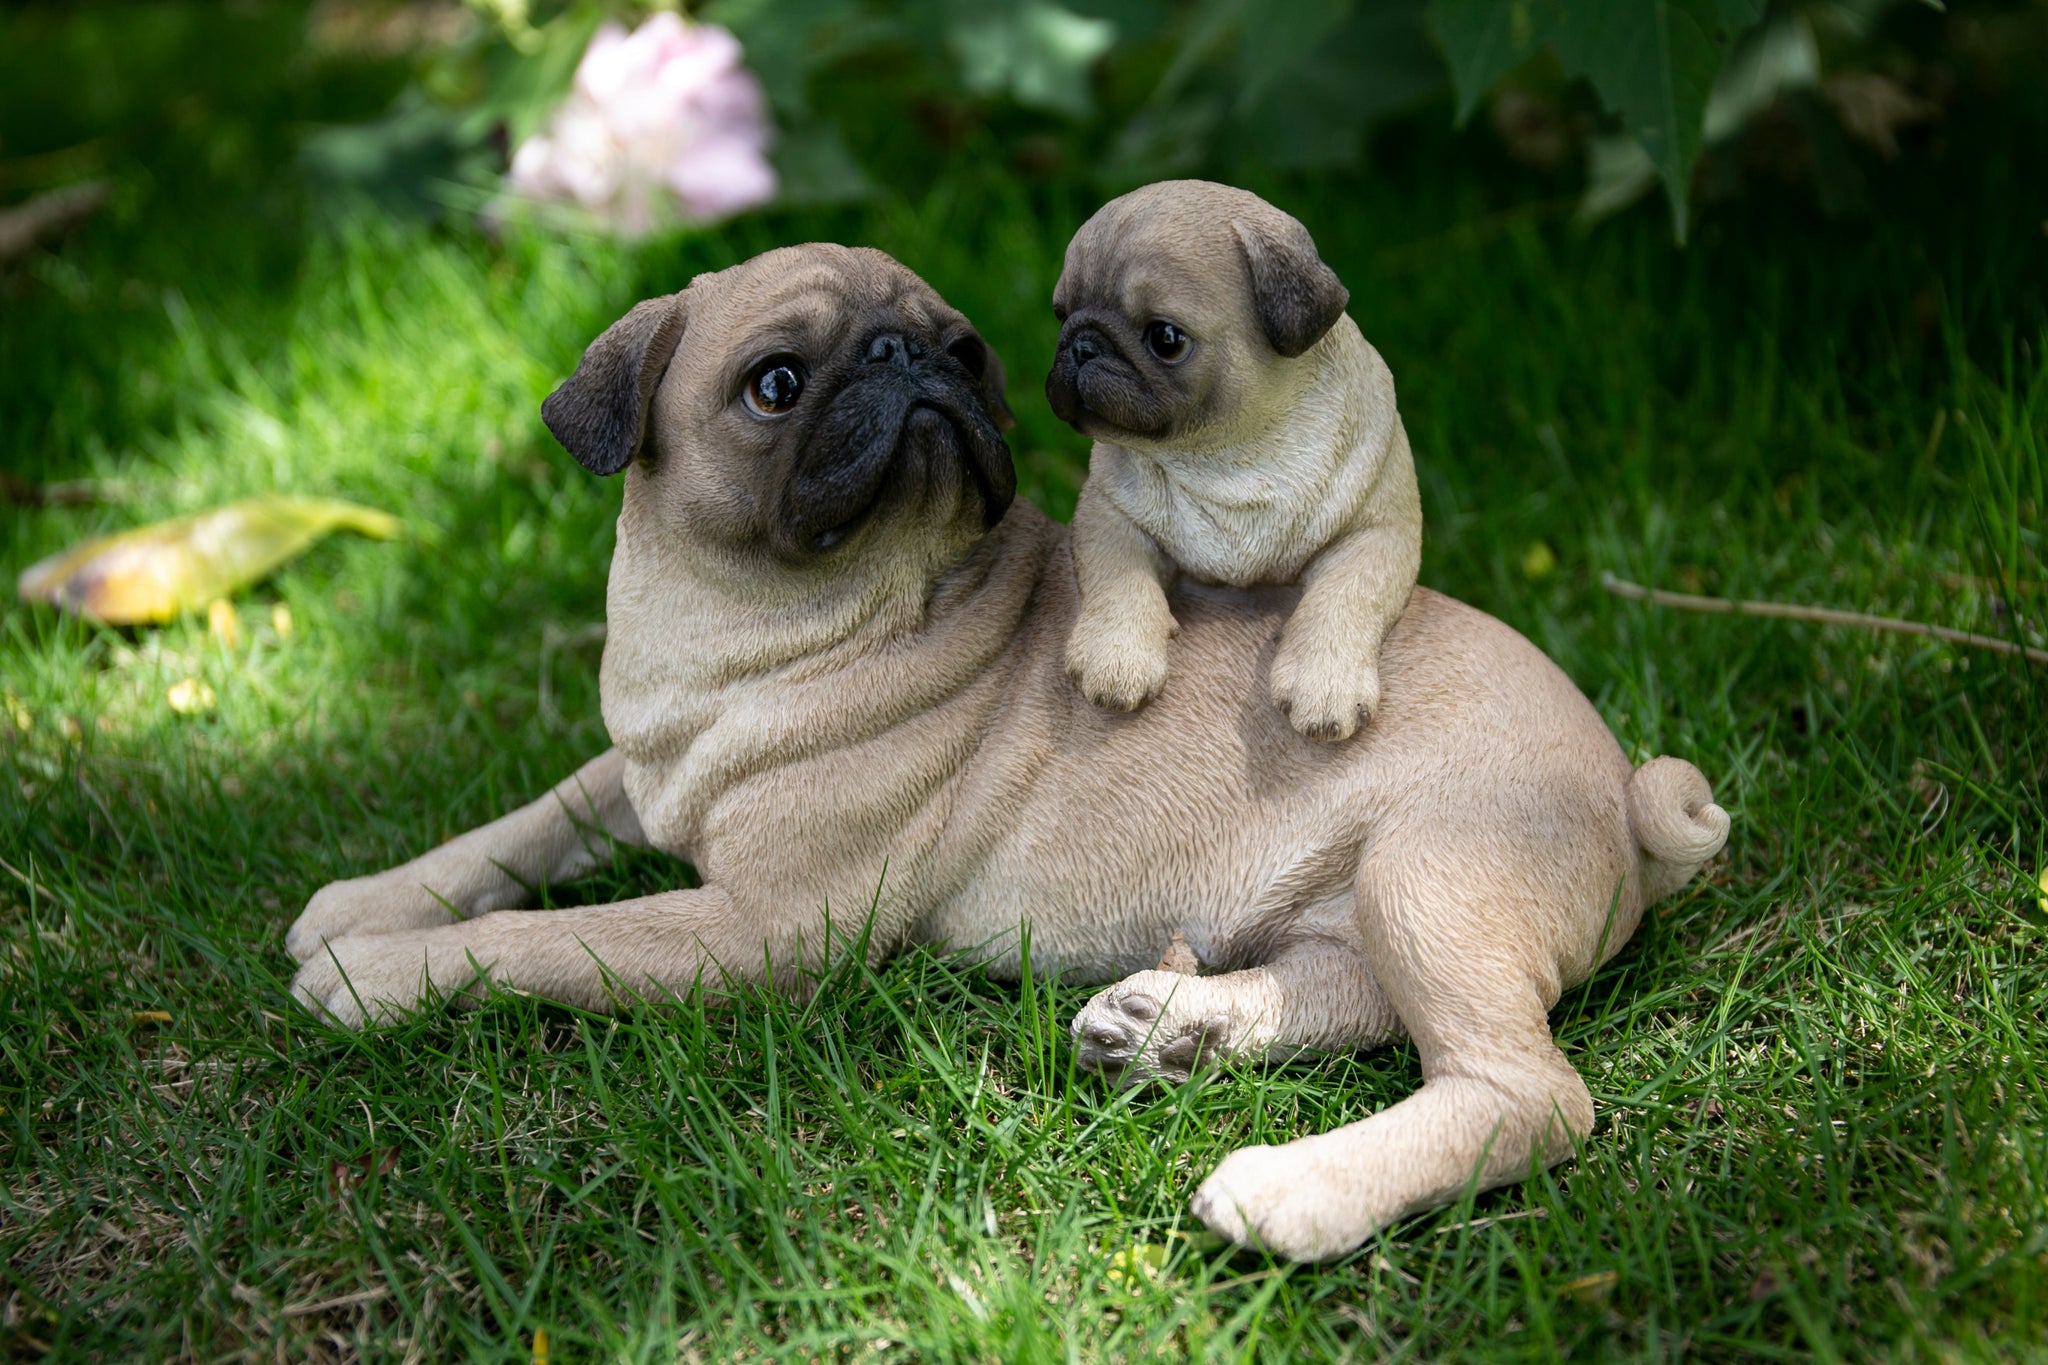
(1224,522)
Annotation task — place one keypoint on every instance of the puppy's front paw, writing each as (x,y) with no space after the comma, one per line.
(1323,697)
(354,981)
(387,903)
(1273,1198)
(1152,1026)
(1117,665)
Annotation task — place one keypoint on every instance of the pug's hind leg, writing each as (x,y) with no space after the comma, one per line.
(1116,652)
(1497,1099)
(1318,995)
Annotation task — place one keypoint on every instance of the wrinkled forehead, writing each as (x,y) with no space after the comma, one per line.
(809,299)
(1155,260)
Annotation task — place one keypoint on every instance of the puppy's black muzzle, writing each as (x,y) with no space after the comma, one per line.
(1078,345)
(1094,388)
(907,416)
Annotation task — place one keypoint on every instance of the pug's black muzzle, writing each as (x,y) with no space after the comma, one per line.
(906,417)
(1092,377)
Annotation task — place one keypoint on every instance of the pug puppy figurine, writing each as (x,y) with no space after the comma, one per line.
(1245,434)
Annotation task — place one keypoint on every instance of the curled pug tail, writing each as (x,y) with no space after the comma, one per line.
(1676,823)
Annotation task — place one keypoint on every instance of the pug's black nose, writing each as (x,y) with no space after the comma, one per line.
(1085,348)
(892,348)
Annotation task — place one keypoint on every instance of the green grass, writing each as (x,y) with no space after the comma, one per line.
(1819,1070)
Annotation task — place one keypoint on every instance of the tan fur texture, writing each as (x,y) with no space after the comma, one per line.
(1253,466)
(887,728)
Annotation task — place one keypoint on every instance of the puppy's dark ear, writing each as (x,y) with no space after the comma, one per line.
(1298,298)
(599,414)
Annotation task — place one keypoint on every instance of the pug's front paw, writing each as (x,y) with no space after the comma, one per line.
(1117,665)
(1323,697)
(387,903)
(1152,1026)
(356,981)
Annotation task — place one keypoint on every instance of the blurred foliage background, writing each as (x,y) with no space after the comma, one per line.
(1604,97)
(418,105)
(248,125)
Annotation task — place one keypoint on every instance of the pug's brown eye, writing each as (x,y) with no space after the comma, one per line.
(775,385)
(1168,342)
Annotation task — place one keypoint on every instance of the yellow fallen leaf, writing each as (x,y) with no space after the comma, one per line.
(224,623)
(1593,1288)
(1539,561)
(540,1346)
(281,621)
(1134,1263)
(156,572)
(190,697)
(16,712)
(2044,891)
(143,1018)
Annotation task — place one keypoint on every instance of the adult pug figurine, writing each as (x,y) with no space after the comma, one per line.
(1245,433)
(836,664)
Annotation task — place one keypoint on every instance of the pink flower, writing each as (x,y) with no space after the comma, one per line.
(663,122)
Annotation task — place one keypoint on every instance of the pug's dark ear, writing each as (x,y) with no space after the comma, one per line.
(599,414)
(992,385)
(980,360)
(1297,297)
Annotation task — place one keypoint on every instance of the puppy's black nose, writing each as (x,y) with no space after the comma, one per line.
(1085,348)
(893,348)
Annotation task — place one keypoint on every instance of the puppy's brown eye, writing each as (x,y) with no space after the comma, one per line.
(775,385)
(1059,314)
(1167,341)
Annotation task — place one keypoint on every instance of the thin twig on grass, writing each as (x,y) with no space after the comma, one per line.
(306,1310)
(64,492)
(1477,1223)
(1792,611)
(48,214)
(32,884)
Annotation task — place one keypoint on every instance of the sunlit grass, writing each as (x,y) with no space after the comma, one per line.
(1818,1070)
